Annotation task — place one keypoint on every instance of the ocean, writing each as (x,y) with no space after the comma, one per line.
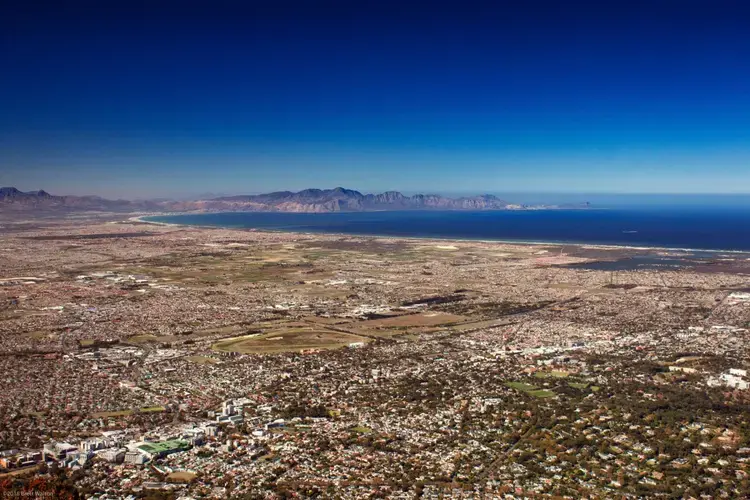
(699,228)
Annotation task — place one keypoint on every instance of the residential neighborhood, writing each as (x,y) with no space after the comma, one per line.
(149,360)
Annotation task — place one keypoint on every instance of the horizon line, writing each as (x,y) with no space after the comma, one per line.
(439,192)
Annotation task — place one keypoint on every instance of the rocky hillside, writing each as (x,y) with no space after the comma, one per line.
(341,200)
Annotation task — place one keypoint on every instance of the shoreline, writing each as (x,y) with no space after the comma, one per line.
(596,246)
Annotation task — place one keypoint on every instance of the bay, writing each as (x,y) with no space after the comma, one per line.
(704,228)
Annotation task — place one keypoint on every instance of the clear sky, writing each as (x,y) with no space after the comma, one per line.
(165,99)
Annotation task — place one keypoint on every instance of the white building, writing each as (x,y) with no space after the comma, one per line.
(91,444)
(729,380)
(227,409)
(114,455)
(194,435)
(134,458)
(59,450)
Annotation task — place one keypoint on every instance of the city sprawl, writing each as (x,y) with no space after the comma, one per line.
(142,360)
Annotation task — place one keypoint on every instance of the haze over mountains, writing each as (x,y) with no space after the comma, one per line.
(12,199)
(308,200)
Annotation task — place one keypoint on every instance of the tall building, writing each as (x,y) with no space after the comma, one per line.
(227,408)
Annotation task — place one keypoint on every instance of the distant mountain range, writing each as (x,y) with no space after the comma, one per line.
(309,200)
(11,199)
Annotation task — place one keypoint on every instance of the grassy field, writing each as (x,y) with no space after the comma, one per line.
(578,385)
(233,262)
(235,329)
(361,429)
(423,319)
(551,374)
(39,335)
(531,390)
(287,340)
(541,393)
(142,339)
(152,409)
(521,386)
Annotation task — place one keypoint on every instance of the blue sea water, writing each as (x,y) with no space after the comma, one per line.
(704,228)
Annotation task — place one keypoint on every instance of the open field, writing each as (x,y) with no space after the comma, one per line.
(288,340)
(409,320)
(361,429)
(152,409)
(181,477)
(142,339)
(480,325)
(542,393)
(521,386)
(531,390)
(579,385)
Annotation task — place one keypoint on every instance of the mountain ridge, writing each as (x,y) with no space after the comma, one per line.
(310,200)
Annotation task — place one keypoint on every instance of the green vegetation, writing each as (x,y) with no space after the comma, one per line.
(141,339)
(541,393)
(152,409)
(164,446)
(521,386)
(552,374)
(578,385)
(531,390)
(360,429)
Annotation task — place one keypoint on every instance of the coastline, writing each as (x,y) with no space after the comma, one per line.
(141,219)
(594,246)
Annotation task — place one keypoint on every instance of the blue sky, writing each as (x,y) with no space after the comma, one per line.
(241,97)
